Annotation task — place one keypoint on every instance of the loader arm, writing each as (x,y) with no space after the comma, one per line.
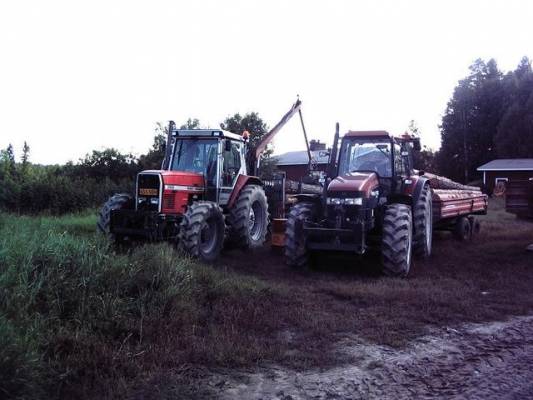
(257,151)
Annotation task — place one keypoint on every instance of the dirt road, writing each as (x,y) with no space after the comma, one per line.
(475,361)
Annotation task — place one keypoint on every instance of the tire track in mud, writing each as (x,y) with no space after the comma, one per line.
(474,361)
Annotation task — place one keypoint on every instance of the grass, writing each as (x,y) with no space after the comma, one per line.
(79,319)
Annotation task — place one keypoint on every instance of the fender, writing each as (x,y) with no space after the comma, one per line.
(242,181)
(417,187)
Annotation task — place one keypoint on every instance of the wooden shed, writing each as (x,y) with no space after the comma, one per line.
(506,170)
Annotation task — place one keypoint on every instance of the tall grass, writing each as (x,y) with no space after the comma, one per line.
(78,318)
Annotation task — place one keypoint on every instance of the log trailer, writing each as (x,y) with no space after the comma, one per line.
(373,198)
(207,187)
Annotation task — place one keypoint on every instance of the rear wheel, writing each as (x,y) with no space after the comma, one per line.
(202,231)
(296,252)
(423,224)
(121,201)
(463,229)
(397,240)
(248,218)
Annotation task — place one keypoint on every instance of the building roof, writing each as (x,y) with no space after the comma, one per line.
(301,158)
(513,164)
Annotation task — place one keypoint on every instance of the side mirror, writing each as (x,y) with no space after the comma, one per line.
(227,145)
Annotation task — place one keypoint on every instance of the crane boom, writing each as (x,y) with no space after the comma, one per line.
(267,139)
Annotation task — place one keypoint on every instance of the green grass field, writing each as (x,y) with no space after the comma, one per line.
(78,319)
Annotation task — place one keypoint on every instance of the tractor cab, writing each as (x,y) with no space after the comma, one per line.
(217,155)
(200,164)
(370,160)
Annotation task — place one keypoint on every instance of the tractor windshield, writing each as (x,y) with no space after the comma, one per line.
(196,155)
(359,155)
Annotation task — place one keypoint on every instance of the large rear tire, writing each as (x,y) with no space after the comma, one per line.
(248,218)
(202,231)
(397,240)
(296,252)
(121,201)
(423,224)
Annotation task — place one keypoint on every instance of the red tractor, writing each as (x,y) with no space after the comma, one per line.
(206,192)
(373,198)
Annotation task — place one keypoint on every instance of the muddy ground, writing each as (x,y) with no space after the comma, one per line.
(460,326)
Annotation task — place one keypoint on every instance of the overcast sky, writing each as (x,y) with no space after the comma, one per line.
(77,76)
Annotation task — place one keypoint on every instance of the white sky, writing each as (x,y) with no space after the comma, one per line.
(82,75)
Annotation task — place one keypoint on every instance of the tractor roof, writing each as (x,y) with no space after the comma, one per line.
(217,133)
(373,134)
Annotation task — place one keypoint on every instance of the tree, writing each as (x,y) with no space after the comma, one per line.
(257,128)
(154,158)
(514,137)
(109,163)
(470,122)
(191,124)
(25,159)
(423,160)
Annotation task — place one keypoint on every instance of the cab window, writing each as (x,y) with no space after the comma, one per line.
(232,164)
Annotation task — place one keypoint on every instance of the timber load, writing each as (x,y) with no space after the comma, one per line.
(440,182)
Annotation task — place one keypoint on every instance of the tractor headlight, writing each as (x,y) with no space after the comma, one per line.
(351,201)
(141,199)
(356,201)
(154,200)
(334,201)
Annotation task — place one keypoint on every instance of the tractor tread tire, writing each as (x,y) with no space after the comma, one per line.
(116,202)
(423,207)
(189,237)
(395,246)
(296,253)
(239,215)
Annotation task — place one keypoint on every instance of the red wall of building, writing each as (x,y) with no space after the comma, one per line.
(510,175)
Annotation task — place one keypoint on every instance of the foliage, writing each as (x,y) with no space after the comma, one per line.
(424,159)
(257,128)
(489,116)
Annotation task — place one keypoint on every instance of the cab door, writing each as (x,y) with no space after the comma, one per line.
(232,165)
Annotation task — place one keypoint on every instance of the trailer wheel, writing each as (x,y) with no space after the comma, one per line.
(462,230)
(296,253)
(202,231)
(397,240)
(423,224)
(120,201)
(248,218)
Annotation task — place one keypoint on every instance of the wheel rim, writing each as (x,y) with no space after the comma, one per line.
(208,236)
(409,249)
(255,222)
(429,227)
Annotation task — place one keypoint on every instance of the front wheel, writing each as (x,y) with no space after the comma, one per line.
(296,252)
(202,231)
(397,240)
(121,201)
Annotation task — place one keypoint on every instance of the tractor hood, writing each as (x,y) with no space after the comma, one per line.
(363,182)
(179,178)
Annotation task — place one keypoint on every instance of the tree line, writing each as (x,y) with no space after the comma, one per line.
(32,188)
(489,116)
